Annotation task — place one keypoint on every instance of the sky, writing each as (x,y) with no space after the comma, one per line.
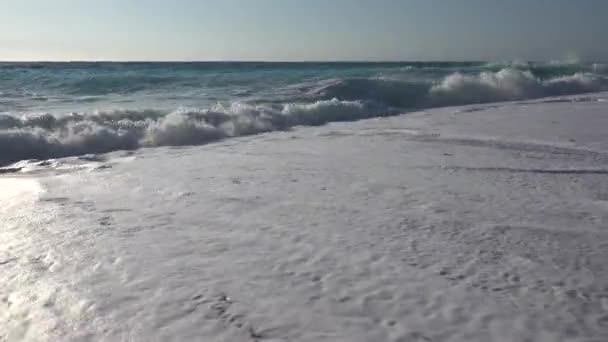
(304,30)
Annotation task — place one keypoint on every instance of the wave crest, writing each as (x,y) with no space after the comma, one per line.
(459,88)
(507,85)
(47,136)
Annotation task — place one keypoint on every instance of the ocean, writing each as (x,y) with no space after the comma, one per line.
(139,203)
(51,110)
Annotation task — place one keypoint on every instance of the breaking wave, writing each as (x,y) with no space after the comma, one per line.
(460,89)
(48,136)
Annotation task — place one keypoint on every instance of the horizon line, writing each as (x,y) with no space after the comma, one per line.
(233,61)
(394,61)
(283,61)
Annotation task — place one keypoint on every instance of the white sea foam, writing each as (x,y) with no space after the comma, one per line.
(448,226)
(49,136)
(509,84)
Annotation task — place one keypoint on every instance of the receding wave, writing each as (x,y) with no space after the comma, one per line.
(48,136)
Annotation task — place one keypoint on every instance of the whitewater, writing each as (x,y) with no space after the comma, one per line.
(304,202)
(51,110)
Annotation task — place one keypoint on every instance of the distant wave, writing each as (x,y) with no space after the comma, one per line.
(98,79)
(48,136)
(108,84)
(510,84)
(459,88)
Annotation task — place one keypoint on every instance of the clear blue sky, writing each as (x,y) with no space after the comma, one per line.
(303,29)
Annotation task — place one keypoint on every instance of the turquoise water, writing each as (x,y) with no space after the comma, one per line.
(50,110)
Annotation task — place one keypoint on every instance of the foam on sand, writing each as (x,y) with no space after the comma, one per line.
(478,223)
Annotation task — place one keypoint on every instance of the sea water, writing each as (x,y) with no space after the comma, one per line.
(51,110)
